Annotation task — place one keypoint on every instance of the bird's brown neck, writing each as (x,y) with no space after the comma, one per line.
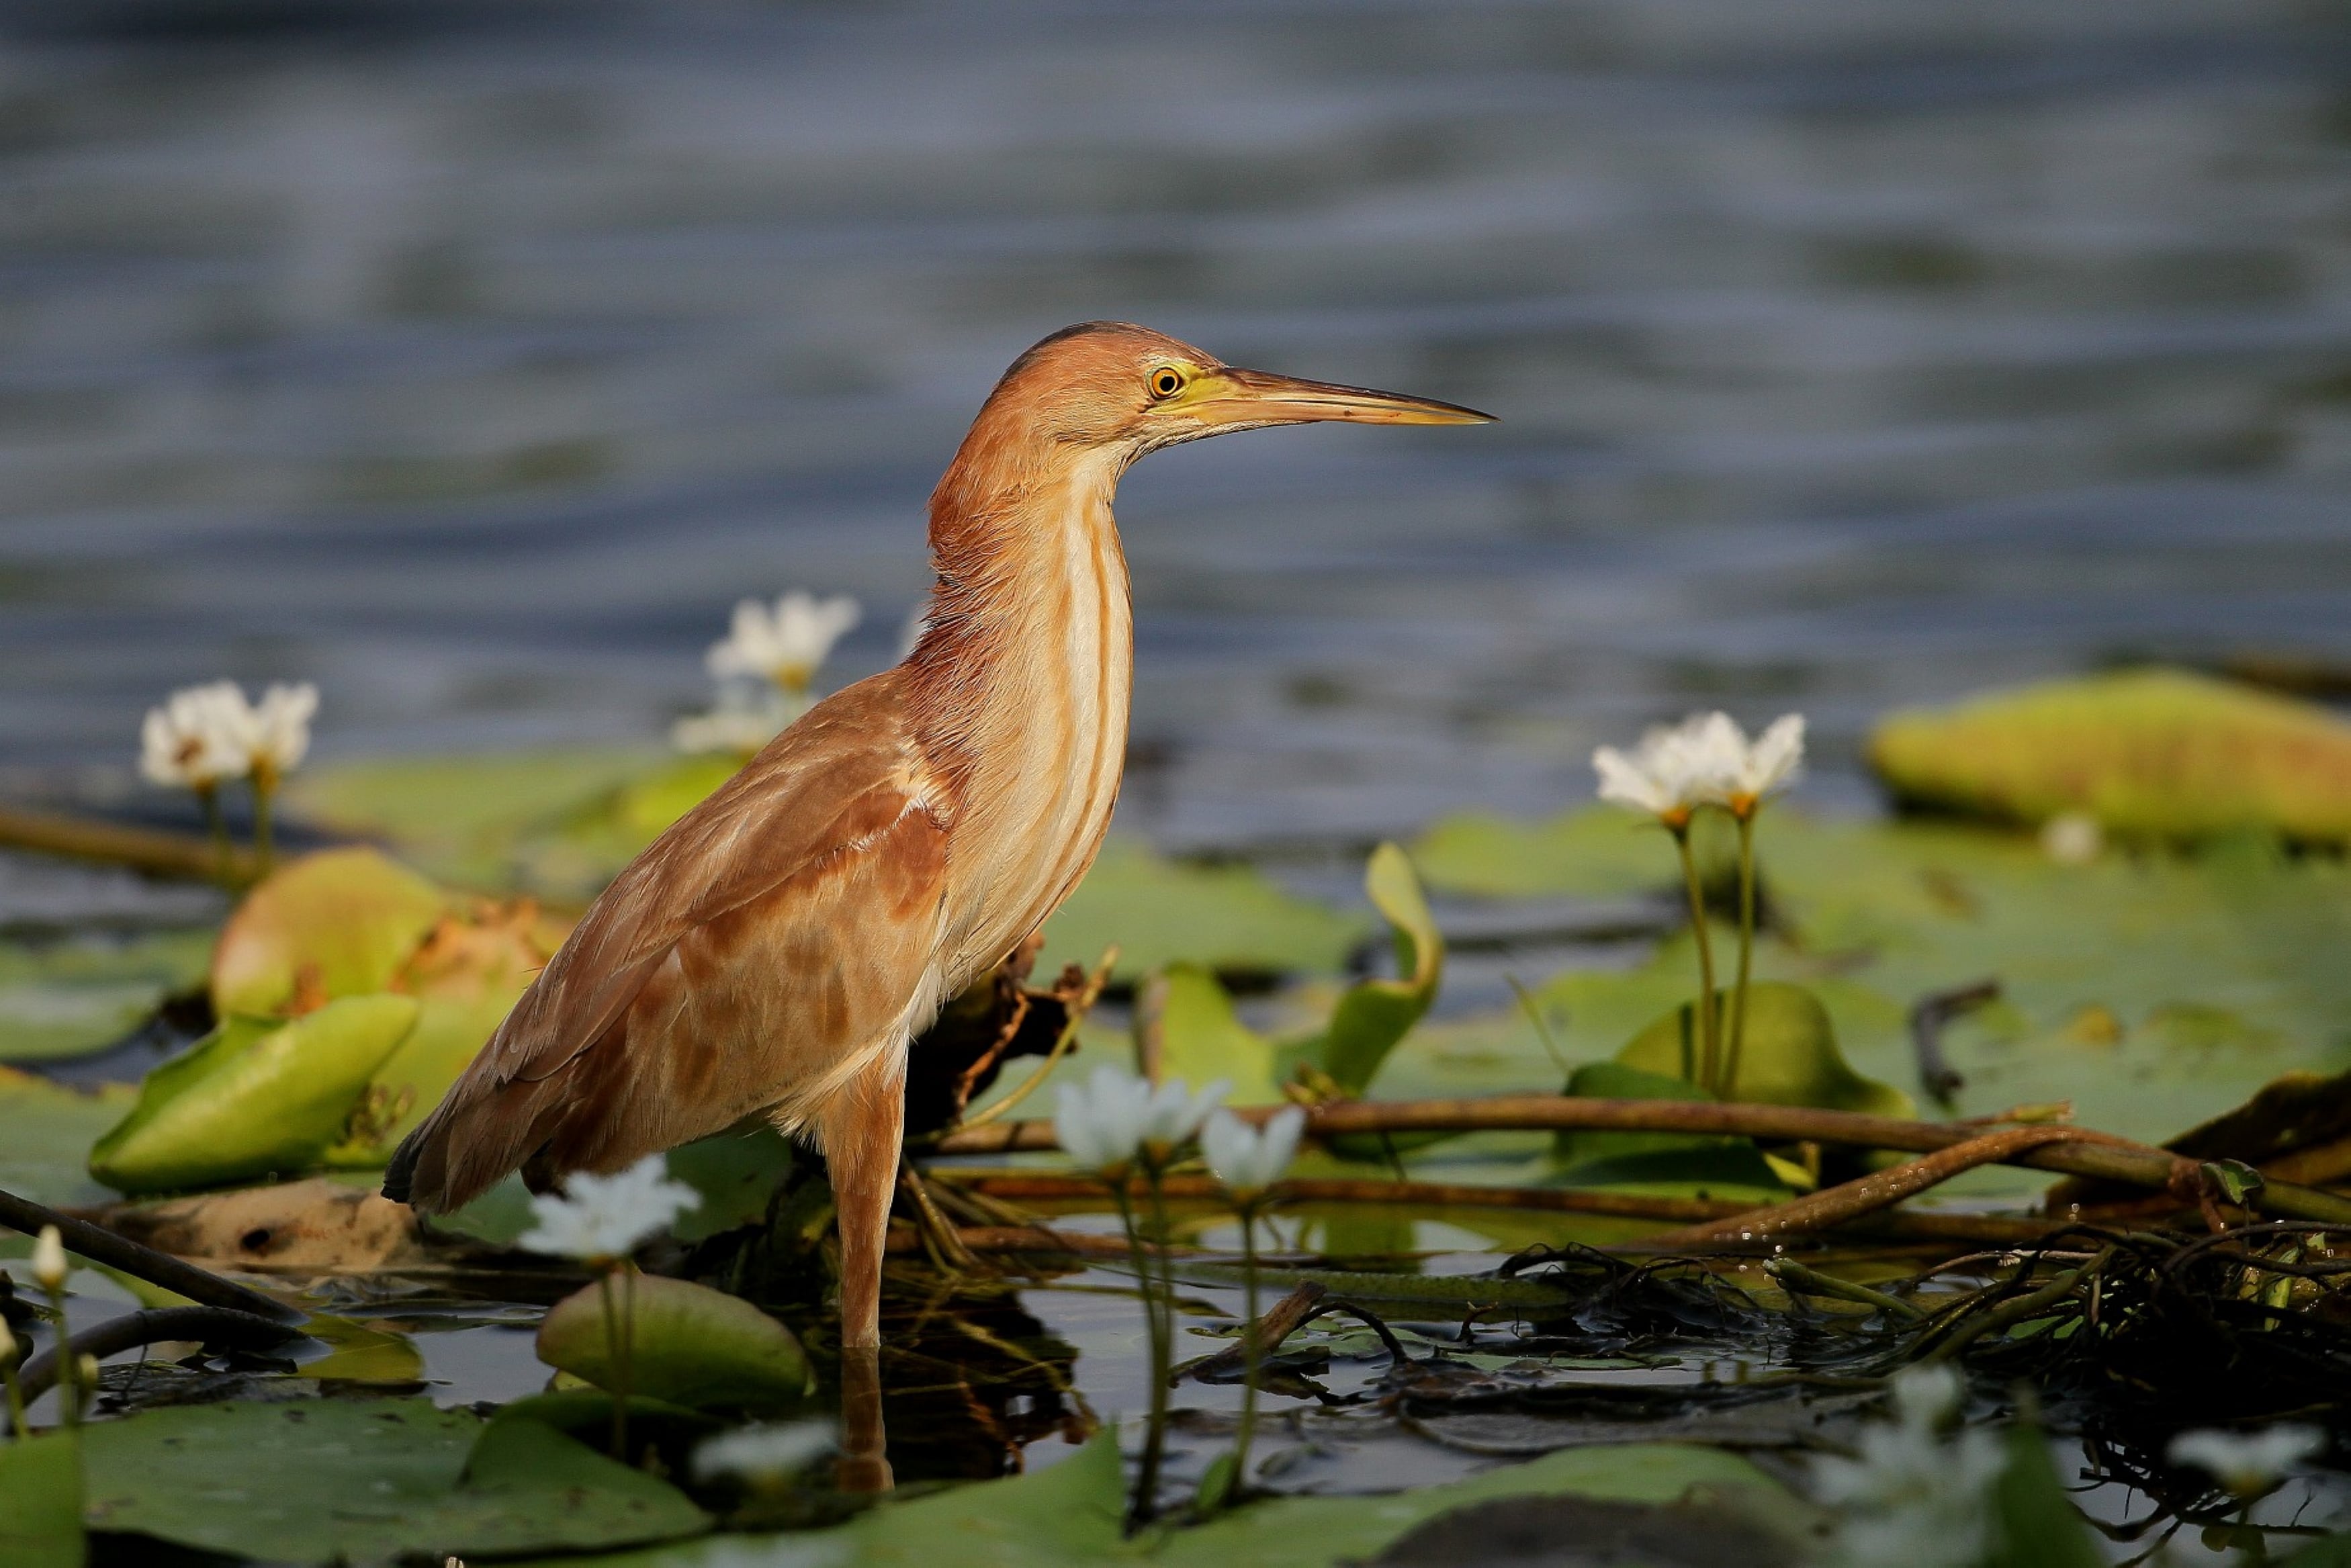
(1022,679)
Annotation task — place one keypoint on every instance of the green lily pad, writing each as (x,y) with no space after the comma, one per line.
(366,1481)
(1202,1039)
(69,997)
(690,1345)
(1671,1165)
(1160,912)
(341,921)
(1068,1515)
(46,1133)
(40,1502)
(1374,1014)
(256,1097)
(2158,753)
(1789,1056)
(361,1355)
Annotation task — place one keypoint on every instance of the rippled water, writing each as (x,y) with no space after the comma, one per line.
(472,359)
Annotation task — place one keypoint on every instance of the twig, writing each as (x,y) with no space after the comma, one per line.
(2015,1311)
(1801,1280)
(187,856)
(100,1245)
(211,1326)
(1929,1016)
(1878,1189)
(1079,1006)
(1278,1322)
(1019,1239)
(2089,1154)
(1549,1200)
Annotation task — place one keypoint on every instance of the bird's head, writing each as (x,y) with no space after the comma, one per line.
(1127,390)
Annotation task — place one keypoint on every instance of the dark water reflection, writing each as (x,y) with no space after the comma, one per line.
(472,363)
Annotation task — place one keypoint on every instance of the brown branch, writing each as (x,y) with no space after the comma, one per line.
(1278,1322)
(1878,1189)
(209,1325)
(100,1245)
(2085,1153)
(1021,1239)
(1047,1185)
(185,855)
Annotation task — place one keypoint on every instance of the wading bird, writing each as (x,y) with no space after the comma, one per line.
(775,950)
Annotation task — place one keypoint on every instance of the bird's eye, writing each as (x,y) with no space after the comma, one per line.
(1166,381)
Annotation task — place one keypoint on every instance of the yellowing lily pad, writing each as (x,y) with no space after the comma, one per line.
(258,1096)
(1789,1056)
(691,1345)
(338,923)
(2158,753)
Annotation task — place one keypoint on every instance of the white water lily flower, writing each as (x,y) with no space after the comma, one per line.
(1749,773)
(1668,774)
(50,1265)
(277,736)
(787,644)
(1101,1122)
(600,1217)
(1175,1116)
(2248,1464)
(764,1454)
(196,739)
(2072,839)
(1248,1159)
(1915,1497)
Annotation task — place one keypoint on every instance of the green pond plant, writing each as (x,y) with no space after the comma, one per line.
(599,1220)
(1707,761)
(1247,1161)
(1119,1126)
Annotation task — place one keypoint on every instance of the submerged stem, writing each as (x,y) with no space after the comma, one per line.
(1746,952)
(1709,1041)
(1252,1353)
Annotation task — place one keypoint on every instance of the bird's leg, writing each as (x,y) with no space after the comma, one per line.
(864,1462)
(863,1129)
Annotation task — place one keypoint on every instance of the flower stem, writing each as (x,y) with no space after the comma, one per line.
(264,849)
(1708,1037)
(70,1389)
(15,1400)
(1746,952)
(1252,1353)
(1146,1482)
(1162,1348)
(217,829)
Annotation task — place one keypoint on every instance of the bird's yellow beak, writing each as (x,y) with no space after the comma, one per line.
(1229,396)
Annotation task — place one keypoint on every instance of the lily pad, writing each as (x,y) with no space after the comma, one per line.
(69,998)
(338,923)
(1203,1039)
(40,1503)
(46,1133)
(1790,1055)
(366,1481)
(1159,912)
(255,1096)
(1068,1515)
(1374,1014)
(1665,1164)
(690,1345)
(2158,753)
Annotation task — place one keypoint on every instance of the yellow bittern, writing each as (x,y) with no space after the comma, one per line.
(775,950)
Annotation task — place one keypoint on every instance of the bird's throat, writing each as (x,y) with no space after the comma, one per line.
(1027,670)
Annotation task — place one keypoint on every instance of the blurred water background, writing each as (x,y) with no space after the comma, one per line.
(472,359)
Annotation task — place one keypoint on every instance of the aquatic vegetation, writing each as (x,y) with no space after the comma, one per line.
(1247,1161)
(2249,1464)
(205,735)
(1918,1491)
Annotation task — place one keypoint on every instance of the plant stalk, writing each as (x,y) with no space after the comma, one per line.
(68,1364)
(264,855)
(1710,1039)
(1252,1353)
(1730,1088)
(216,830)
(614,1353)
(1140,1509)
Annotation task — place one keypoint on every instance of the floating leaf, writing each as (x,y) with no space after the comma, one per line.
(1160,912)
(255,1096)
(356,1481)
(1789,1056)
(40,1502)
(691,1345)
(1594,853)
(69,998)
(1374,1014)
(360,1354)
(1069,1516)
(2158,753)
(1203,1039)
(338,923)
(45,1131)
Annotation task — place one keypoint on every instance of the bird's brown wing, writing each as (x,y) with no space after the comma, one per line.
(740,963)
